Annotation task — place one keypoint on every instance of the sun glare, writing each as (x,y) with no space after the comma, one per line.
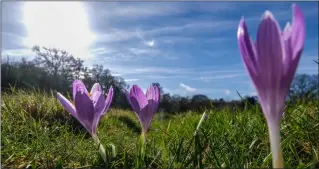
(63,25)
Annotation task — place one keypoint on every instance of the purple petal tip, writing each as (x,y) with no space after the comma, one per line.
(240,31)
(268,15)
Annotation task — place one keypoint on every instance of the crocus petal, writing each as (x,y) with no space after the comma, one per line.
(96,87)
(270,50)
(98,101)
(287,57)
(146,115)
(108,100)
(249,55)
(156,98)
(134,103)
(96,97)
(148,112)
(78,84)
(137,97)
(100,112)
(85,110)
(294,37)
(150,95)
(287,31)
(153,94)
(67,104)
(247,48)
(98,109)
(298,32)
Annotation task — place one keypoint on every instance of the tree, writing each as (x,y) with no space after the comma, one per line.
(78,68)
(175,104)
(165,102)
(304,86)
(252,100)
(60,65)
(24,74)
(160,88)
(199,102)
(55,61)
(184,104)
(97,72)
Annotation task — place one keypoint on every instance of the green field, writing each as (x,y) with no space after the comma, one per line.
(37,132)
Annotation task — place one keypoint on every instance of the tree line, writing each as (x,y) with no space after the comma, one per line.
(54,70)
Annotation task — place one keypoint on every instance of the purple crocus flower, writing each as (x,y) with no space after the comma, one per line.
(144,106)
(271,63)
(87,108)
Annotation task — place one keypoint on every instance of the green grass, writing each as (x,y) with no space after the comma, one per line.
(37,132)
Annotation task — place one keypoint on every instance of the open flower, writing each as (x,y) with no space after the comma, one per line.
(144,106)
(271,63)
(87,108)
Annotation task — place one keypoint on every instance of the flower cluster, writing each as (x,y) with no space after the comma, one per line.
(271,63)
(88,108)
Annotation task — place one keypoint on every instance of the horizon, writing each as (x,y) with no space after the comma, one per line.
(187,47)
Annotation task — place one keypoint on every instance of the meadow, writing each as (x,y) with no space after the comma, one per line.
(36,132)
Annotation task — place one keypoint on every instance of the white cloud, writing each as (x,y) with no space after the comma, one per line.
(227,92)
(150,70)
(210,25)
(129,11)
(153,36)
(220,76)
(18,53)
(131,80)
(176,39)
(218,72)
(10,39)
(136,10)
(101,51)
(140,35)
(164,77)
(187,88)
(116,74)
(140,51)
(167,90)
(117,34)
(150,43)
(171,72)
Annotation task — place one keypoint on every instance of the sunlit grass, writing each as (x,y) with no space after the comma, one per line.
(37,132)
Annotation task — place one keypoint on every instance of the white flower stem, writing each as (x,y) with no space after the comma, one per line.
(143,145)
(143,137)
(101,148)
(274,135)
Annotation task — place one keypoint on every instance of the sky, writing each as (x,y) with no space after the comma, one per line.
(188,47)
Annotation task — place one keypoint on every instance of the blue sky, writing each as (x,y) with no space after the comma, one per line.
(188,47)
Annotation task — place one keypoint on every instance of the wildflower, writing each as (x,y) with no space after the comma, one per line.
(271,63)
(144,106)
(88,108)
